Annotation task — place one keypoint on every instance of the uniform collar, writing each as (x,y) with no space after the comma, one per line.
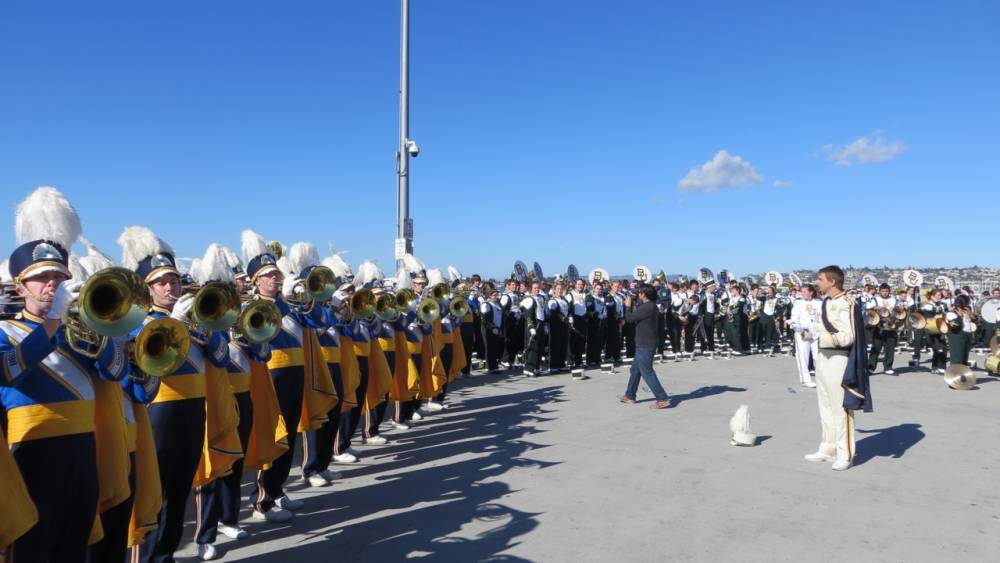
(158,309)
(26,316)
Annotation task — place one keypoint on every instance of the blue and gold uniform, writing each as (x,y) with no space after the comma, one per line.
(48,406)
(357,335)
(318,445)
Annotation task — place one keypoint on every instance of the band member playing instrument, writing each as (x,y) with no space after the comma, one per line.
(805,324)
(931,309)
(960,331)
(755,302)
(885,335)
(614,305)
(768,327)
(558,316)
(674,324)
(710,308)
(513,327)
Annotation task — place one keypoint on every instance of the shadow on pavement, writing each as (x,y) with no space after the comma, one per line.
(892,441)
(702,392)
(415,513)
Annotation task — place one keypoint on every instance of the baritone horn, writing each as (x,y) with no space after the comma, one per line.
(440,292)
(385,307)
(428,311)
(458,308)
(161,346)
(405,299)
(112,302)
(258,323)
(363,304)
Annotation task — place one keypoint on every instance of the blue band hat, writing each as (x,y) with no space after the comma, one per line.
(261,264)
(37,257)
(156,266)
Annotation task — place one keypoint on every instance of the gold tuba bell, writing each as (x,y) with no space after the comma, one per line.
(112,302)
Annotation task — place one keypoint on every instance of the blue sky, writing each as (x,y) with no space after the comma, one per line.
(552,131)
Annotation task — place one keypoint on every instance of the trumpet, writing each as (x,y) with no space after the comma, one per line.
(113,302)
(161,347)
(258,323)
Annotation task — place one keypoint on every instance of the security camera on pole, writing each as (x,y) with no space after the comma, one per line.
(407,147)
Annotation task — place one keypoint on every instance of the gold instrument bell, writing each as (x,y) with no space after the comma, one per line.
(112,302)
(363,304)
(440,292)
(161,347)
(428,311)
(458,307)
(385,307)
(960,377)
(216,306)
(259,323)
(872,318)
(933,325)
(405,299)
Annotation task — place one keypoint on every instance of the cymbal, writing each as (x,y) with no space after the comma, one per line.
(960,377)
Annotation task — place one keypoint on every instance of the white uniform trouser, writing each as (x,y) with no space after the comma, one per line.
(837,422)
(804,349)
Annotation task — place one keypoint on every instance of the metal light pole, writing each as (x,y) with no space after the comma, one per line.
(404,225)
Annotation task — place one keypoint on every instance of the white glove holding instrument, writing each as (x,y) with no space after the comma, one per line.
(61,299)
(182,308)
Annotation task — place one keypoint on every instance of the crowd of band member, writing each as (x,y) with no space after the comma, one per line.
(125,424)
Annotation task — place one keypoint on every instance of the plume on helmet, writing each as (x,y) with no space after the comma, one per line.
(94,261)
(253,245)
(138,243)
(434,277)
(213,266)
(302,255)
(368,273)
(47,214)
(454,274)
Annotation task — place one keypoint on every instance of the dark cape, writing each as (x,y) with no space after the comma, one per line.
(857,390)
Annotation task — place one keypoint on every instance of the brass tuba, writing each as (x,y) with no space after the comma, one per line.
(259,322)
(112,302)
(161,347)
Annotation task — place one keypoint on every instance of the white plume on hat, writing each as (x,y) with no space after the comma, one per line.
(302,255)
(76,269)
(285,266)
(213,266)
(193,264)
(335,261)
(94,261)
(368,272)
(454,274)
(253,245)
(138,243)
(47,214)
(231,258)
(434,277)
(5,272)
(403,279)
(412,265)
(739,427)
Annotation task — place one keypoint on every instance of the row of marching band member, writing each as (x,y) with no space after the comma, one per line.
(126,387)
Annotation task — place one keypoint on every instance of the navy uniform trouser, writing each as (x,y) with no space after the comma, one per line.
(318,444)
(116,522)
(558,344)
(447,352)
(289,383)
(179,434)
(883,341)
(61,477)
(219,501)
(375,416)
(578,339)
(405,409)
(350,419)
(468,332)
(939,348)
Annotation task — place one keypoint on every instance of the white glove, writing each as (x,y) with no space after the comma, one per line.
(64,295)
(288,286)
(182,308)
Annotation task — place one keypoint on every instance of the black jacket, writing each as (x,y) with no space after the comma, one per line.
(644,318)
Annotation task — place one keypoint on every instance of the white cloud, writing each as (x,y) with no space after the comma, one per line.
(779,183)
(865,150)
(723,171)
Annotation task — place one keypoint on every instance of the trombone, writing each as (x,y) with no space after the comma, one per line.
(363,304)
(258,323)
(386,307)
(458,308)
(406,299)
(161,347)
(318,287)
(112,302)
(440,292)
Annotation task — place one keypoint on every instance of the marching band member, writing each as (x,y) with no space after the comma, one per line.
(708,316)
(596,324)
(805,325)
(287,366)
(768,327)
(536,329)
(491,315)
(614,304)
(960,330)
(558,315)
(47,389)
(178,413)
(755,305)
(477,297)
(663,311)
(884,336)
(935,307)
(578,322)
(513,328)
(675,321)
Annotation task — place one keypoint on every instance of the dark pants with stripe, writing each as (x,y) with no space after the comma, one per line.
(405,409)
(219,501)
(349,420)
(289,383)
(375,416)
(61,477)
(577,340)
(319,443)
(179,434)
(115,521)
